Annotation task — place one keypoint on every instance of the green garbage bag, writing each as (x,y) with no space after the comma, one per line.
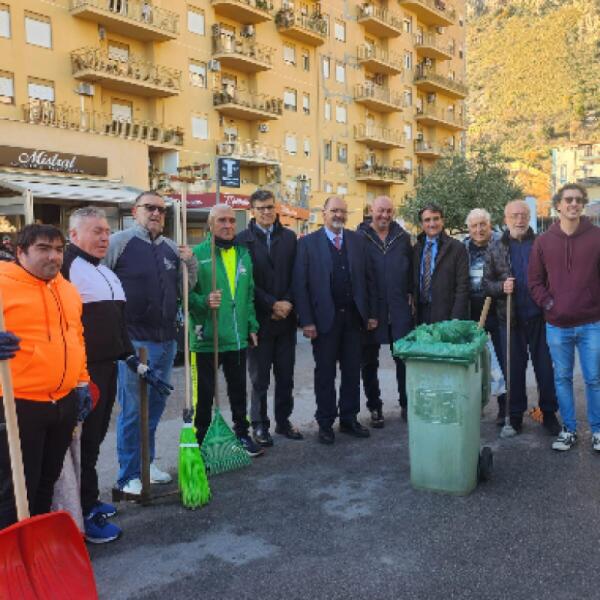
(448,341)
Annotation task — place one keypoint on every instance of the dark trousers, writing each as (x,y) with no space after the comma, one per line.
(278,351)
(423,313)
(369,368)
(528,340)
(234,369)
(343,344)
(46,431)
(104,375)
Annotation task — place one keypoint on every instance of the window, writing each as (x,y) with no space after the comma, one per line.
(408,60)
(40,89)
(305,59)
(289,99)
(306,147)
(342,189)
(340,31)
(327,187)
(7,88)
(327,147)
(200,127)
(408,97)
(563,173)
(407,132)
(291,144)
(342,153)
(326,67)
(306,104)
(118,51)
(327,110)
(4,21)
(408,165)
(340,72)
(407,25)
(289,54)
(38,30)
(121,110)
(341,113)
(195,20)
(197,71)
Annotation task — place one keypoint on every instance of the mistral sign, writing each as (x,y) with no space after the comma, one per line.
(49,160)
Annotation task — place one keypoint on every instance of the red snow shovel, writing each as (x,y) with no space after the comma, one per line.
(42,557)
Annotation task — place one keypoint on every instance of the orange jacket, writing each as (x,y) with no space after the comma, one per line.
(47,318)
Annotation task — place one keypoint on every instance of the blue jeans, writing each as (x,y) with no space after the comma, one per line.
(160,360)
(562,342)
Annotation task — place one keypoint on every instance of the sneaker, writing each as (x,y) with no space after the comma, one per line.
(516,422)
(133,487)
(377,421)
(565,440)
(104,508)
(98,530)
(251,448)
(550,423)
(596,441)
(158,476)
(262,436)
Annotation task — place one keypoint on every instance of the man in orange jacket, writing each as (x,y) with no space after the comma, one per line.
(50,378)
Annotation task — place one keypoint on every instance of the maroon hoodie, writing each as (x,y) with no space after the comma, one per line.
(564,274)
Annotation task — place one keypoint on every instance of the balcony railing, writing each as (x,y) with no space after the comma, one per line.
(130,75)
(247,105)
(432,12)
(379,21)
(44,112)
(433,113)
(377,136)
(379,60)
(432,46)
(136,18)
(426,76)
(242,53)
(367,170)
(244,11)
(306,28)
(369,93)
(250,152)
(426,147)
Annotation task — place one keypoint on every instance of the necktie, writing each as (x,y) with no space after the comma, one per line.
(269,240)
(426,279)
(337,242)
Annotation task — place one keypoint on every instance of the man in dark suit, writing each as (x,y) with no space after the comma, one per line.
(440,270)
(336,299)
(273,250)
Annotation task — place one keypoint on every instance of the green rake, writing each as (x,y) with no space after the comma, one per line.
(220,448)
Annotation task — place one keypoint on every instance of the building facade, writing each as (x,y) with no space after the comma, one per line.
(351,98)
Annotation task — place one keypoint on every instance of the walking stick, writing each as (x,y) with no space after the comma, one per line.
(508,430)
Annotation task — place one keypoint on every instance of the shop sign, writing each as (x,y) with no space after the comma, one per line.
(295,212)
(229,172)
(209,199)
(48,160)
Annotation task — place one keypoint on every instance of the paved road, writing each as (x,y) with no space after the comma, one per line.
(308,521)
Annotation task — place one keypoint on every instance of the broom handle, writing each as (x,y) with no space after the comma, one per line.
(12,432)
(484,312)
(508,334)
(215,319)
(186,321)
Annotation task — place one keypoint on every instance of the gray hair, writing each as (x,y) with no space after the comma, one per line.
(216,209)
(87,212)
(478,213)
(521,203)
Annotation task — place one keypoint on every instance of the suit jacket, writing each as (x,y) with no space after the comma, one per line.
(313,280)
(450,283)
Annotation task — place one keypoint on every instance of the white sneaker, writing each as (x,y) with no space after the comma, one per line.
(158,476)
(133,487)
(596,442)
(566,440)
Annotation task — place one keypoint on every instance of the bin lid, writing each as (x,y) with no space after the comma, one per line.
(448,341)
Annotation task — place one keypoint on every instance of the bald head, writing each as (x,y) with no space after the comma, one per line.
(221,220)
(516,217)
(382,211)
(335,213)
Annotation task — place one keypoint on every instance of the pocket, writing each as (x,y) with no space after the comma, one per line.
(570,302)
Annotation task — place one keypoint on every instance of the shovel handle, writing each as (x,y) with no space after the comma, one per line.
(12,433)
(215,319)
(484,312)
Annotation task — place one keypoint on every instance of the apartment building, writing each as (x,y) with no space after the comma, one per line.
(101,98)
(580,163)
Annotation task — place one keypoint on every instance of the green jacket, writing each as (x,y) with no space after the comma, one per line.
(237,317)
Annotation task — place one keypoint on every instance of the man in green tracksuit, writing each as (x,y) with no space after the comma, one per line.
(237,325)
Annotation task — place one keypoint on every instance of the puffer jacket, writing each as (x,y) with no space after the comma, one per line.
(46,316)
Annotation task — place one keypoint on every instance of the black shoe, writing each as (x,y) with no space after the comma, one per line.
(289,431)
(551,424)
(377,421)
(354,428)
(249,446)
(516,422)
(326,435)
(500,418)
(404,413)
(262,436)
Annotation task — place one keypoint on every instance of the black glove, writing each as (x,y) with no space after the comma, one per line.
(84,402)
(9,345)
(146,373)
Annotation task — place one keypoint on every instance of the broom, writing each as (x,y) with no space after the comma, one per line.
(193,483)
(221,449)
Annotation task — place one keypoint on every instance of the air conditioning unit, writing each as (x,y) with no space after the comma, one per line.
(248,30)
(312,218)
(213,65)
(86,89)
(302,178)
(263,128)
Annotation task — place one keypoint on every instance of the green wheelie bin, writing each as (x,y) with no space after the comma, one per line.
(447,384)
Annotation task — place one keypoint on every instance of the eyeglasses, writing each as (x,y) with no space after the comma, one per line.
(338,211)
(571,199)
(154,208)
(268,208)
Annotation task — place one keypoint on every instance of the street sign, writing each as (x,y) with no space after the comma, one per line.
(229,172)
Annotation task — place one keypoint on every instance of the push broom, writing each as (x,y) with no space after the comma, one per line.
(193,483)
(508,430)
(221,449)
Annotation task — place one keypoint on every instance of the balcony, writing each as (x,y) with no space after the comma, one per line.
(247,106)
(132,18)
(430,45)
(377,98)
(308,29)
(249,12)
(429,81)
(50,114)
(131,76)
(426,149)
(369,171)
(376,136)
(250,153)
(242,54)
(433,116)
(431,12)
(379,21)
(378,60)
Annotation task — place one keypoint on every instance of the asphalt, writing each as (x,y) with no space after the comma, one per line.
(310,521)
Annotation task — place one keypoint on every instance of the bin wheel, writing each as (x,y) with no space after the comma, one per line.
(485,464)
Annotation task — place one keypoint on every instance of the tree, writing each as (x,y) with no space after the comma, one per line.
(459,183)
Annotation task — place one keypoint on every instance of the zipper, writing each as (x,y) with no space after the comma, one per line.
(384,247)
(64,341)
(110,287)
(234,307)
